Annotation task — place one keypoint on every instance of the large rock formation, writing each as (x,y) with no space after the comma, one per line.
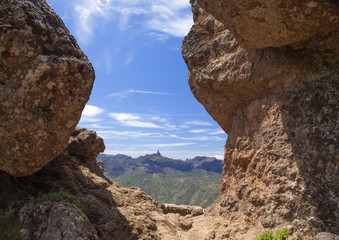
(45,82)
(279,107)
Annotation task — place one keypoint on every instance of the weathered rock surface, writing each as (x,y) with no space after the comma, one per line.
(45,82)
(223,76)
(56,220)
(274,23)
(326,236)
(279,107)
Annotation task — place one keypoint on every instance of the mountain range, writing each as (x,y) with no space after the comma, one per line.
(191,182)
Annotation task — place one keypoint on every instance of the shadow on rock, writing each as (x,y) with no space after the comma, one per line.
(76,172)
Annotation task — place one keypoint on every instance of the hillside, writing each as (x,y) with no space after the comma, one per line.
(191,182)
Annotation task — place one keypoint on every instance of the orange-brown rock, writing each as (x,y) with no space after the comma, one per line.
(279,107)
(45,82)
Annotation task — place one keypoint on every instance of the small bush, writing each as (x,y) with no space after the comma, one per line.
(59,196)
(281,235)
(10,225)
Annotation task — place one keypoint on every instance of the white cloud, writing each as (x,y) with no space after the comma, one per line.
(124,94)
(91,111)
(159,119)
(198,130)
(172,18)
(200,138)
(158,36)
(165,145)
(221,157)
(176,26)
(199,123)
(148,92)
(86,119)
(89,114)
(113,134)
(131,120)
(217,132)
(171,126)
(88,14)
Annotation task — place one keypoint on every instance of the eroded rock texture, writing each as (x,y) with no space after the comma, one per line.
(45,82)
(274,23)
(279,107)
(57,220)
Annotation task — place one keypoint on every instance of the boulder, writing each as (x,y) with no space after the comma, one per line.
(45,82)
(55,220)
(326,236)
(182,210)
(85,143)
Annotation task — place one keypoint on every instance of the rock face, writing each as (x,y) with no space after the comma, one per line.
(274,23)
(45,82)
(279,107)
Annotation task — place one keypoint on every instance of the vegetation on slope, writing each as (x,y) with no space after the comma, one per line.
(191,182)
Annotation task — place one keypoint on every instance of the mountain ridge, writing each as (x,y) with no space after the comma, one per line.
(191,182)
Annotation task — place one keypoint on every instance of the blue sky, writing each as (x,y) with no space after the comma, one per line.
(141,101)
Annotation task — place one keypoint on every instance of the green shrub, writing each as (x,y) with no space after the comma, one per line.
(281,235)
(59,196)
(10,225)
(266,236)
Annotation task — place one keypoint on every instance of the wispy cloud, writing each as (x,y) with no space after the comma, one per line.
(198,130)
(114,134)
(165,145)
(198,138)
(125,94)
(132,120)
(88,15)
(199,123)
(159,119)
(162,18)
(148,92)
(217,132)
(129,59)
